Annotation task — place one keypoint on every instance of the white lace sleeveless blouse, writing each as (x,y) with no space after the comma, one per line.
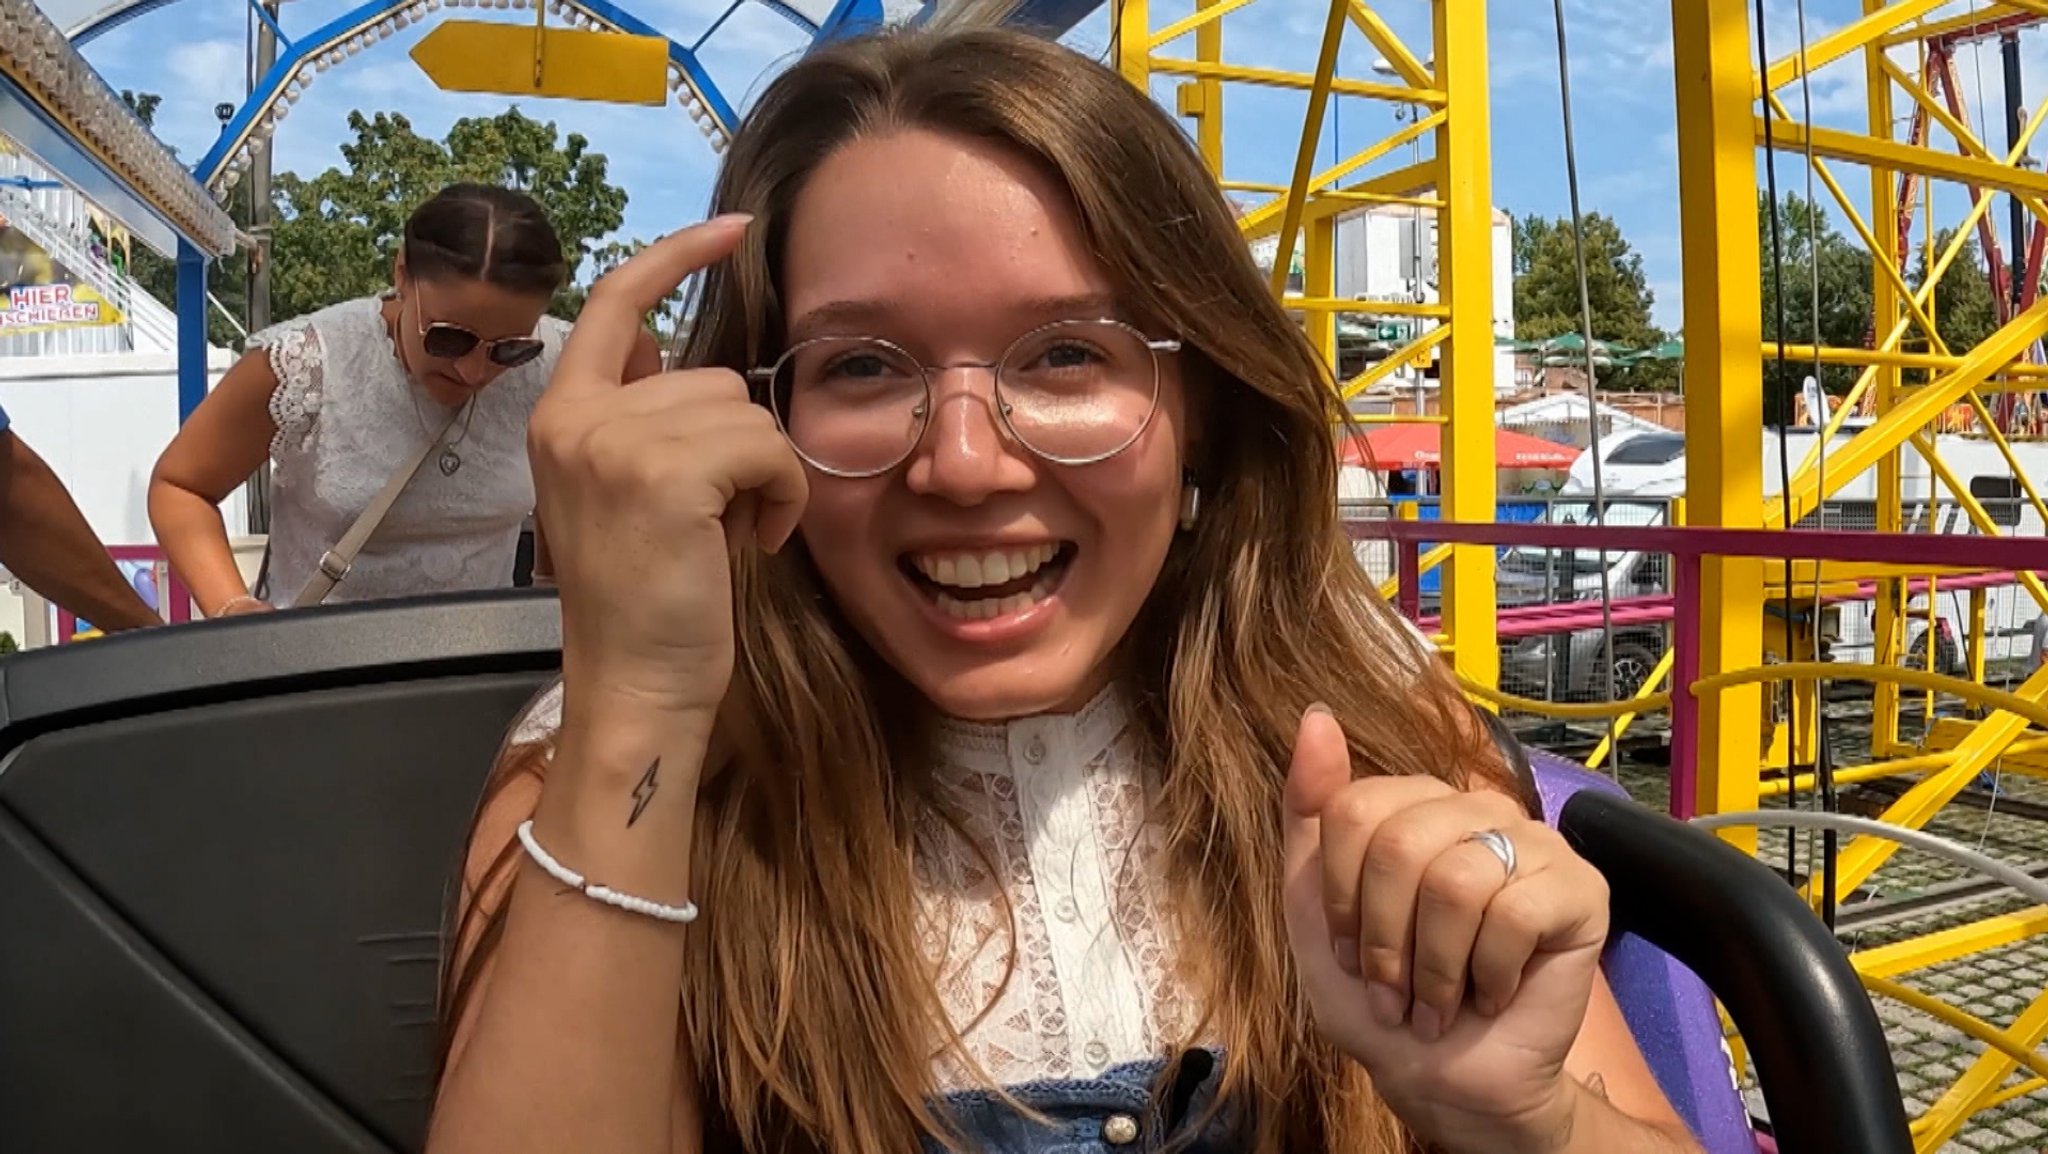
(348,417)
(1058,805)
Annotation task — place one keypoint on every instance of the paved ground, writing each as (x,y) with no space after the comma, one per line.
(1994,985)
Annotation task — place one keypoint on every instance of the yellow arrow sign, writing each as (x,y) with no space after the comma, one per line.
(524,60)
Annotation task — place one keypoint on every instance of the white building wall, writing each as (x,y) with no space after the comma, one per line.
(101,422)
(1389,252)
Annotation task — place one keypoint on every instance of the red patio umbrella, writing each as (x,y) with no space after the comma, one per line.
(1420,446)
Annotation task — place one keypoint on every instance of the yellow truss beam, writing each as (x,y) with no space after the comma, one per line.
(1965,138)
(1915,33)
(1201,18)
(1871,29)
(1280,78)
(1352,305)
(1413,351)
(2025,377)
(1942,1120)
(1887,381)
(1724,456)
(1897,157)
(1880,254)
(1311,135)
(1918,805)
(1465,272)
(1254,223)
(1917,953)
(1382,37)
(1916,409)
(1400,184)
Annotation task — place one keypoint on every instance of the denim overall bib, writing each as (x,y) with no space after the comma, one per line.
(1118,1112)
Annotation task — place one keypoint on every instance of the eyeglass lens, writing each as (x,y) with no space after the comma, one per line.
(450,342)
(1072,392)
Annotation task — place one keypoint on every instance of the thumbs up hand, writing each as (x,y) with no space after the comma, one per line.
(1457,981)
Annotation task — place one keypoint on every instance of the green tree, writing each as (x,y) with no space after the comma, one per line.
(667,315)
(1547,292)
(144,105)
(1808,243)
(337,232)
(1528,235)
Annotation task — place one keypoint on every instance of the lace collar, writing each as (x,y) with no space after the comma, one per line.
(1008,748)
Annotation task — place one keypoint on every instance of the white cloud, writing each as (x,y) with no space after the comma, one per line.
(206,65)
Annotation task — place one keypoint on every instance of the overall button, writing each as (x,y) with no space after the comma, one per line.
(1066,910)
(1096,1052)
(1034,750)
(1119,1129)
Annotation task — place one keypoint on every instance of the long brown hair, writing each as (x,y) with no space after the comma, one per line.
(808,1009)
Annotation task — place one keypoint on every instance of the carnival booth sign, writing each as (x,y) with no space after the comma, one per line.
(48,307)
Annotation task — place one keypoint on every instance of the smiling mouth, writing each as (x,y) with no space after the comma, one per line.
(978,585)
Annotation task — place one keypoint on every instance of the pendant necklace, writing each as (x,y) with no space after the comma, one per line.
(450,461)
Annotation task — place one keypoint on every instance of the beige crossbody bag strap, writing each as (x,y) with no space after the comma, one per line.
(336,562)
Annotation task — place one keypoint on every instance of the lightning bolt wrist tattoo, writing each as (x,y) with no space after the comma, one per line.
(643,791)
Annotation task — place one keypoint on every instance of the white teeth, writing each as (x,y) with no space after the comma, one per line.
(974,570)
(983,608)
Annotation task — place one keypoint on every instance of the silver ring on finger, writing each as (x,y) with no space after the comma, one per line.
(1499,844)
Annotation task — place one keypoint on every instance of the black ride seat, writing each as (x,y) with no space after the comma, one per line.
(226,848)
(224,854)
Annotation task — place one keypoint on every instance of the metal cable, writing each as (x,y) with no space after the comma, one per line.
(1823,759)
(1571,176)
(1763,66)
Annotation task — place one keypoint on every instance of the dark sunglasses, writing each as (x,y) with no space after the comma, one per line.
(443,340)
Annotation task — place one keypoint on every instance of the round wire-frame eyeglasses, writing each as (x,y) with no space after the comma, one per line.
(765,378)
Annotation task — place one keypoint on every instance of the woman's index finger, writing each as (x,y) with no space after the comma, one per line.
(601,342)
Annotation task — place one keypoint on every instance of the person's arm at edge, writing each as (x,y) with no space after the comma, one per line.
(46,541)
(223,442)
(569,1040)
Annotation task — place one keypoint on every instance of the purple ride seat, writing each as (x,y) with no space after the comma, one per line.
(1668,1008)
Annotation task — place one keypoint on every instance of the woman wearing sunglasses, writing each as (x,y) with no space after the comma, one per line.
(451,360)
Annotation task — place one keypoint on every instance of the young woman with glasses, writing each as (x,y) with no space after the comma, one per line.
(457,353)
(974,729)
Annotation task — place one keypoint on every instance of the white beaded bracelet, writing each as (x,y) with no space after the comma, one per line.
(687,912)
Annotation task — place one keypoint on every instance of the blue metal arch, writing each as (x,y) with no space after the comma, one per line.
(293,54)
(848,17)
(92,29)
(85,33)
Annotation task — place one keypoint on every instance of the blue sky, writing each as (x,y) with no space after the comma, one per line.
(192,53)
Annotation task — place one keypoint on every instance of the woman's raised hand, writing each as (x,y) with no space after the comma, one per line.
(1458,985)
(646,488)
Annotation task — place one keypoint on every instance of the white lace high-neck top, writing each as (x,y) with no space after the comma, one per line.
(1058,805)
(348,416)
